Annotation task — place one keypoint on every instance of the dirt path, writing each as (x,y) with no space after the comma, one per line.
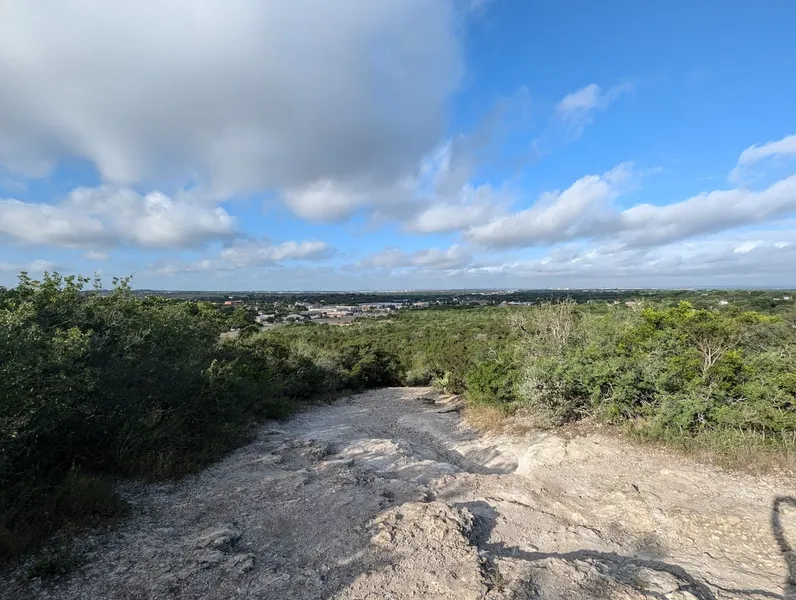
(383,496)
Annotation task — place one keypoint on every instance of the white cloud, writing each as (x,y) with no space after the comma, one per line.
(323,201)
(39,266)
(439,197)
(704,262)
(453,257)
(234,94)
(759,152)
(103,217)
(246,254)
(434,258)
(435,197)
(766,259)
(36,266)
(586,210)
(558,216)
(649,225)
(470,207)
(176,267)
(748,246)
(577,109)
(97,255)
(251,253)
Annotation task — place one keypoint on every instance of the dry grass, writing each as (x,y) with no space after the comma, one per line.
(490,418)
(738,450)
(486,418)
(745,451)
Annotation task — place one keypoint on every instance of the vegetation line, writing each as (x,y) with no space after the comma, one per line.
(97,385)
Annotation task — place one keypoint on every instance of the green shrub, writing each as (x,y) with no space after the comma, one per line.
(493,381)
(99,385)
(673,372)
(111,384)
(367,366)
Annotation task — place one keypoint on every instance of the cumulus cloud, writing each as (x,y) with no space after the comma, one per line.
(323,201)
(97,255)
(577,109)
(104,216)
(430,259)
(466,209)
(251,253)
(440,197)
(234,94)
(753,258)
(328,107)
(648,225)
(329,201)
(558,216)
(759,152)
(436,196)
(36,266)
(177,267)
(704,262)
(247,254)
(587,210)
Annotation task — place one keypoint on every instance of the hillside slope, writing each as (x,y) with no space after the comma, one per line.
(388,495)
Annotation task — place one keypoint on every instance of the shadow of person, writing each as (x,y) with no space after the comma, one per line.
(788,553)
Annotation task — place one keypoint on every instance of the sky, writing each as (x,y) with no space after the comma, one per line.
(399,144)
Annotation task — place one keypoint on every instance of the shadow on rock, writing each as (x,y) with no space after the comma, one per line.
(599,574)
(789,592)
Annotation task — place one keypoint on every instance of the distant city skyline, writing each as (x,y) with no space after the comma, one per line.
(400,144)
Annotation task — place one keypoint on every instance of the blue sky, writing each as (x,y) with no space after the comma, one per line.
(399,144)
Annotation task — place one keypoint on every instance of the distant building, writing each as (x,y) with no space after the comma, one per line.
(378,306)
(296,317)
(351,309)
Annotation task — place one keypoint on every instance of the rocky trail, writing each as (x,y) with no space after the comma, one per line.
(388,494)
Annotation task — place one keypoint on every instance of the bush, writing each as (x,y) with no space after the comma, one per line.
(111,385)
(493,381)
(98,385)
(672,372)
(367,367)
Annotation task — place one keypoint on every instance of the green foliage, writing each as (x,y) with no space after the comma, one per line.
(410,348)
(110,384)
(667,370)
(241,318)
(31,507)
(96,385)
(368,366)
(671,372)
(493,380)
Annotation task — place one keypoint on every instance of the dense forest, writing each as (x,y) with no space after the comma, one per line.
(96,385)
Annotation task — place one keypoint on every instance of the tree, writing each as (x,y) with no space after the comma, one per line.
(241,317)
(551,322)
